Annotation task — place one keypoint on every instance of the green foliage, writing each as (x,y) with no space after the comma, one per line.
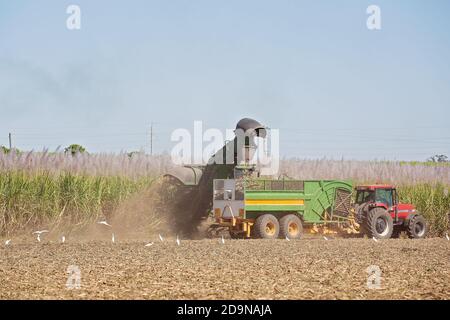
(133,153)
(432,200)
(426,163)
(75,149)
(5,150)
(438,158)
(29,199)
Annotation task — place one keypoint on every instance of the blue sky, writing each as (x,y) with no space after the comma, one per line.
(309,68)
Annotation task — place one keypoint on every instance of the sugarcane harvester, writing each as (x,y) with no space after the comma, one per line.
(190,188)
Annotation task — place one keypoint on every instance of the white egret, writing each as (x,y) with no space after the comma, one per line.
(39,232)
(104,222)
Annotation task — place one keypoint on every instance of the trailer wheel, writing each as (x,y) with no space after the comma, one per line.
(266,227)
(291,227)
(417,227)
(378,224)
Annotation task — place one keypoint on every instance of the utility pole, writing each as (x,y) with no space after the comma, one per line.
(10,141)
(151,138)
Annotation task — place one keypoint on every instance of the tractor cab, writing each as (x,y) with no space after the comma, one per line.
(386,197)
(379,212)
(378,195)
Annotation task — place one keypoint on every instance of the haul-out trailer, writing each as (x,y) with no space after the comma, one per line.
(279,208)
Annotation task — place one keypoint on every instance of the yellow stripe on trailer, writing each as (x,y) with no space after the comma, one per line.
(274,202)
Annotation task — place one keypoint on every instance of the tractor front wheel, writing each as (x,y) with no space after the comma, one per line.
(291,227)
(378,224)
(417,227)
(266,227)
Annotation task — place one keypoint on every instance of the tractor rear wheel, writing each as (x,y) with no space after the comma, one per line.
(266,227)
(417,227)
(378,224)
(291,227)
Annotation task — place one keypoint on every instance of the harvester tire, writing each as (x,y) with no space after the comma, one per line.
(378,224)
(291,227)
(236,235)
(266,227)
(417,227)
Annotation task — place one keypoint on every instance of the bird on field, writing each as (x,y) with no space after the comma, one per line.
(113,238)
(178,240)
(104,222)
(63,239)
(325,238)
(222,240)
(374,239)
(7,242)
(38,238)
(448,238)
(161,238)
(287,238)
(41,231)
(149,244)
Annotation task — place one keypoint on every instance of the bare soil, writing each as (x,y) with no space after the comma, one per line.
(238,269)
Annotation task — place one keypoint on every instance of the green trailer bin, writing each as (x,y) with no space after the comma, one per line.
(273,207)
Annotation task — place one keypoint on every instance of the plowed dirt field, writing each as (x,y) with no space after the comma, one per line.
(237,269)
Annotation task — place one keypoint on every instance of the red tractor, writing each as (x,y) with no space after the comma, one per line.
(381,216)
